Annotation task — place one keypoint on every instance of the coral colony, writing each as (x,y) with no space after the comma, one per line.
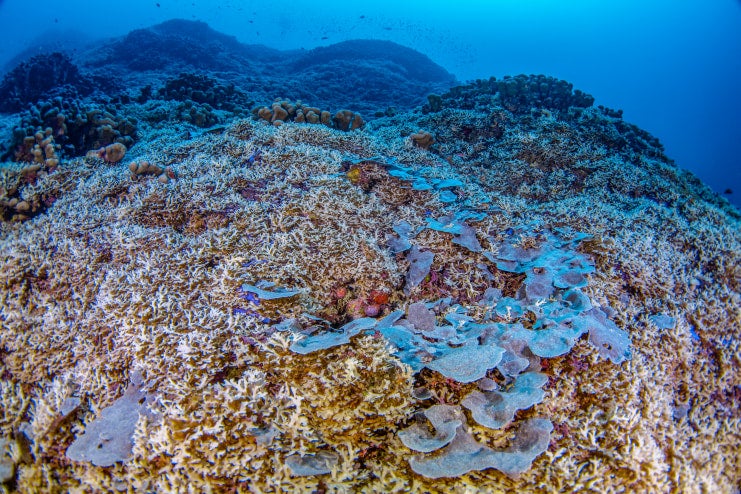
(499,288)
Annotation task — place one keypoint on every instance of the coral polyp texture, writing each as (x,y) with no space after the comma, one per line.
(506,290)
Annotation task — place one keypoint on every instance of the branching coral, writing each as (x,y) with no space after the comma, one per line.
(122,275)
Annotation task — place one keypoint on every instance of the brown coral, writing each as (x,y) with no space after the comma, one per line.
(164,174)
(347,120)
(113,153)
(422,139)
(283,111)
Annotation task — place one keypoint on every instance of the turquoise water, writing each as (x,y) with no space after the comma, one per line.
(673,67)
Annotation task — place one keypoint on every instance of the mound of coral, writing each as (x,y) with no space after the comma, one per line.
(366,75)
(38,77)
(536,299)
(187,73)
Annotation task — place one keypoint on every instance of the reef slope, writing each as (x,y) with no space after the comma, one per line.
(134,290)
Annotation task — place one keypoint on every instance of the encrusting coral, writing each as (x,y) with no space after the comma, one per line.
(278,237)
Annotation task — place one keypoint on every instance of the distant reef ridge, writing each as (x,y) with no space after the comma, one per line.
(368,75)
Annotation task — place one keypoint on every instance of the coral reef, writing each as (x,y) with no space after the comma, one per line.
(518,94)
(369,76)
(41,150)
(107,439)
(143,168)
(283,111)
(202,89)
(39,77)
(179,44)
(20,196)
(189,73)
(166,283)
(540,301)
(112,153)
(422,139)
(76,127)
(379,74)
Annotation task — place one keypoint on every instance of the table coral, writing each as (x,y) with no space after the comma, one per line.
(108,439)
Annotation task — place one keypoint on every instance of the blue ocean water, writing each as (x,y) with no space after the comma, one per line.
(673,67)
